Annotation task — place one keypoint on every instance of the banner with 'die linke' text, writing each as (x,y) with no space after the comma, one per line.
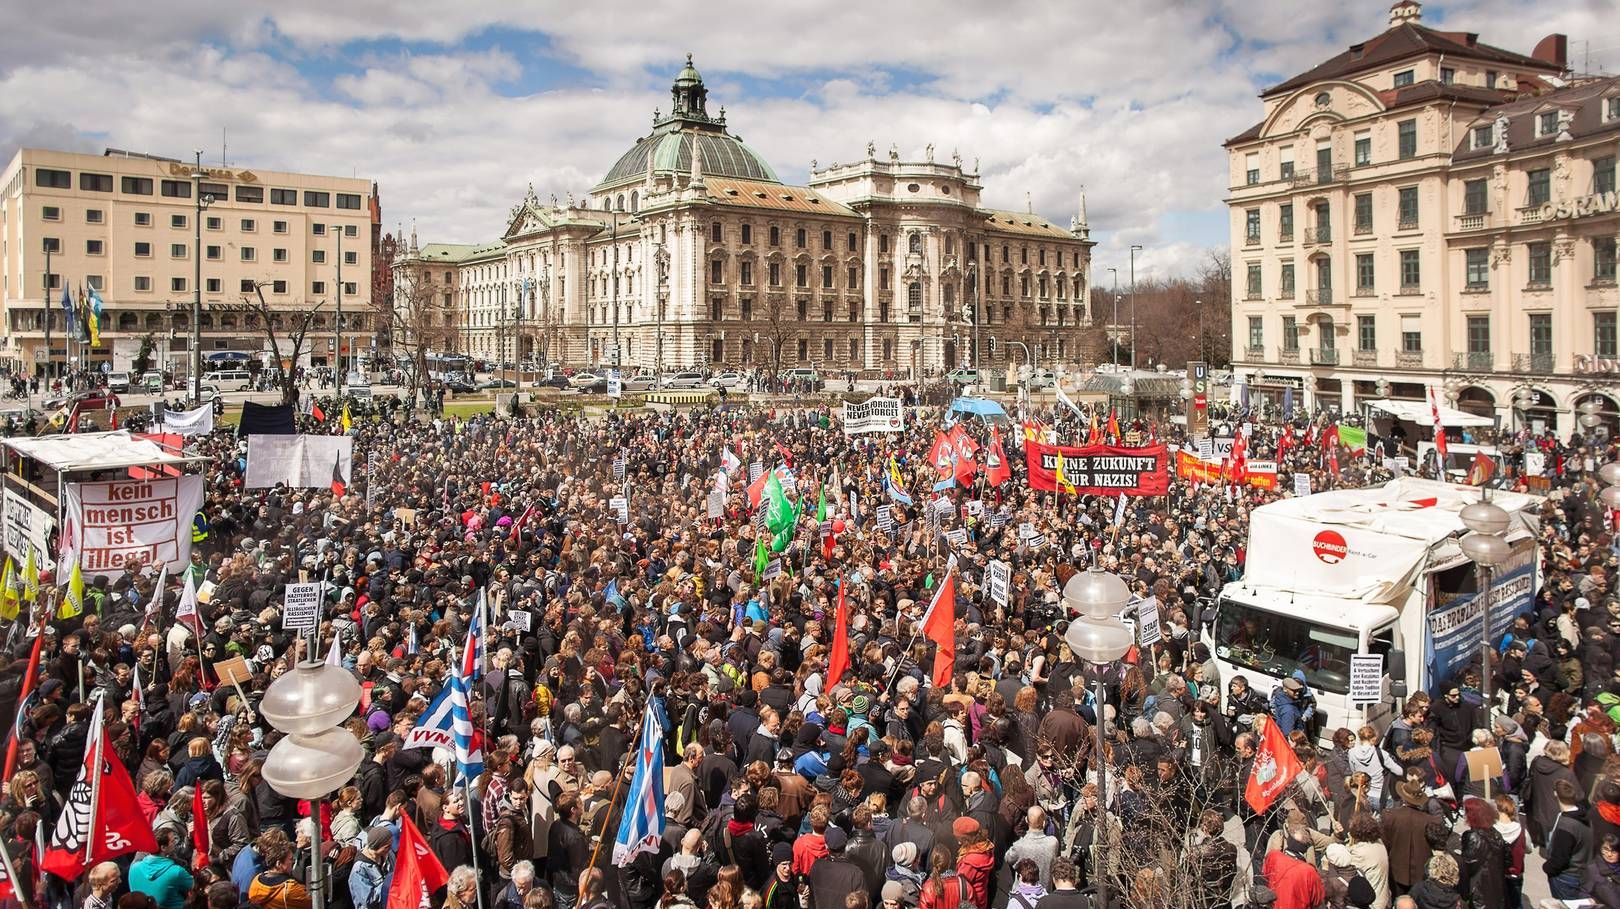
(1099,469)
(109,523)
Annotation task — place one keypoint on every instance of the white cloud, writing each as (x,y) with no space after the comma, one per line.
(1130,99)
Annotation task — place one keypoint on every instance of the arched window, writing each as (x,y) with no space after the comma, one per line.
(635,201)
(619,203)
(916,242)
(914,297)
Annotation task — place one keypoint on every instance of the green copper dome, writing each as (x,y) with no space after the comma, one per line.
(689,129)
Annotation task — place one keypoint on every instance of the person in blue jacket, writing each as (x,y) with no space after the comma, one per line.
(159,876)
(1286,710)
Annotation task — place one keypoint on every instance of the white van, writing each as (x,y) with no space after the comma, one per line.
(232,380)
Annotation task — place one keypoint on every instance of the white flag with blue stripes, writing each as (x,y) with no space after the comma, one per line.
(469,756)
(642,829)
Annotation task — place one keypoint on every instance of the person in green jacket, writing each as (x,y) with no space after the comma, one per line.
(159,876)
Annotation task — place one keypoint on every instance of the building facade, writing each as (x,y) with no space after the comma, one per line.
(1428,210)
(127,225)
(691,252)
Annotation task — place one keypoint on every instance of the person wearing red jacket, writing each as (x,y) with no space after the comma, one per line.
(974,862)
(1296,882)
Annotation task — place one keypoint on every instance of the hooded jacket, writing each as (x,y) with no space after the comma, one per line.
(161,878)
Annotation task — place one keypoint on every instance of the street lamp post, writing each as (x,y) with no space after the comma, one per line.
(317,755)
(1113,324)
(194,380)
(1098,637)
(1134,250)
(1484,546)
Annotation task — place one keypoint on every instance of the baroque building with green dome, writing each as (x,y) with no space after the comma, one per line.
(691,252)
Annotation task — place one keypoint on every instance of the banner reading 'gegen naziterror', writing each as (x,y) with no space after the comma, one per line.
(1099,469)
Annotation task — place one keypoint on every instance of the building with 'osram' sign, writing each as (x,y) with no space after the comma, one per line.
(1431,210)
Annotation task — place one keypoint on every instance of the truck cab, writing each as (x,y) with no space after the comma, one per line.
(1374,572)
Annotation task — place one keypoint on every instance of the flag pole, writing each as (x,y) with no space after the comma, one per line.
(17,887)
(95,780)
(472,830)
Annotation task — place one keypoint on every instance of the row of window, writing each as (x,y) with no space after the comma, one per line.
(914,243)
(181,189)
(1406,147)
(214,253)
(179,221)
(1477,271)
(1477,330)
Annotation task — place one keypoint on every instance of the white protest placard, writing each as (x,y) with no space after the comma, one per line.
(874,415)
(301,607)
(1037,541)
(27,524)
(885,519)
(302,462)
(196,422)
(1302,484)
(1366,678)
(998,581)
(1026,530)
(520,618)
(773,570)
(755,470)
(620,507)
(109,523)
(1206,449)
(1393,466)
(1119,510)
(1147,613)
(618,467)
(942,507)
(956,537)
(717,503)
(1535,463)
(975,507)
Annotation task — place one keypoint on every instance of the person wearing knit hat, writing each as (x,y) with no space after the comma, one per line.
(964,827)
(893,894)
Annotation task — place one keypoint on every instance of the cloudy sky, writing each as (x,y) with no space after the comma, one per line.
(455,107)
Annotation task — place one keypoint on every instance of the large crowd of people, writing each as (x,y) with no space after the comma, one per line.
(786,789)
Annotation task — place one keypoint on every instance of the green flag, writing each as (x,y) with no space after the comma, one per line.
(780,514)
(782,539)
(761,557)
(1353,438)
(821,505)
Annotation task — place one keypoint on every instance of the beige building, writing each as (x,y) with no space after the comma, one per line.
(691,252)
(1429,210)
(127,225)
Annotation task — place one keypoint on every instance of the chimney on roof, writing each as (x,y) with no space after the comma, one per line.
(1553,49)
(1405,12)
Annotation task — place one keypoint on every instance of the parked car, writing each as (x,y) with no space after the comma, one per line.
(356,386)
(962,375)
(729,380)
(555,380)
(152,381)
(1040,378)
(586,381)
(641,381)
(460,385)
(497,382)
(684,380)
(118,382)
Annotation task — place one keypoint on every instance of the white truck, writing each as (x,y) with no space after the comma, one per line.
(1375,571)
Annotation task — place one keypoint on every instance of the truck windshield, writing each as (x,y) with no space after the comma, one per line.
(1278,644)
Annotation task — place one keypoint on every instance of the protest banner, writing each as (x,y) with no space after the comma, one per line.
(109,523)
(998,580)
(874,415)
(301,462)
(1100,469)
(1366,678)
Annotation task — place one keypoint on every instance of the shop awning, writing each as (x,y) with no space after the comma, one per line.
(1419,412)
(94,451)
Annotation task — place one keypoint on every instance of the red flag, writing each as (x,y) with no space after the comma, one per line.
(1333,461)
(1275,766)
(939,626)
(787,456)
(1113,426)
(942,454)
(1096,437)
(92,830)
(1439,431)
(963,449)
(8,887)
(522,519)
(838,659)
(417,871)
(1479,472)
(316,412)
(22,703)
(339,487)
(996,470)
(1330,435)
(199,826)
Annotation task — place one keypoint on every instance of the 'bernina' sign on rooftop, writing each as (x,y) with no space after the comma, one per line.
(1595,204)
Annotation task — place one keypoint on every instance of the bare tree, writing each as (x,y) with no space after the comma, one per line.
(1216,280)
(777,319)
(274,323)
(417,323)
